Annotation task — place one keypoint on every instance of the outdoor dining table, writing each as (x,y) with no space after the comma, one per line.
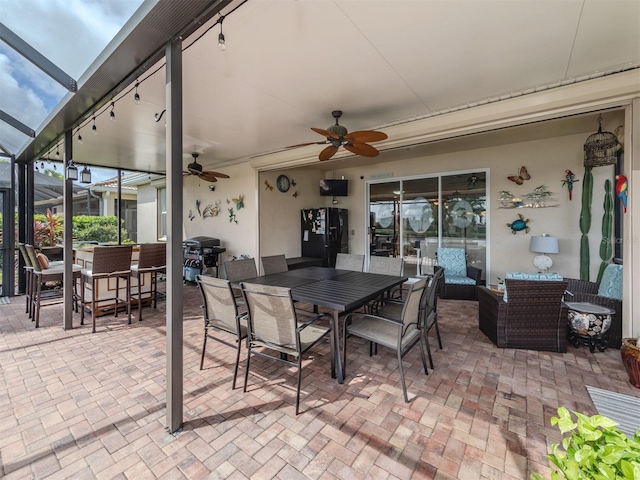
(341,291)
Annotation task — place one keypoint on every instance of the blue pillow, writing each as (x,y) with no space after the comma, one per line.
(611,283)
(453,260)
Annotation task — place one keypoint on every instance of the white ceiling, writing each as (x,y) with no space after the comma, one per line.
(289,63)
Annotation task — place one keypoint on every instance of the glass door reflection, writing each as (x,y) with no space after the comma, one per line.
(383,219)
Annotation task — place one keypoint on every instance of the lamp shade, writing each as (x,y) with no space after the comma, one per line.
(543,244)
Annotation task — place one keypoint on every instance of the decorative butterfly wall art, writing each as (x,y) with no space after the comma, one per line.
(521,177)
(239,202)
(268,185)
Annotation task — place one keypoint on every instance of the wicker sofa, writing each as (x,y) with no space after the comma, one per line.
(532,318)
(607,293)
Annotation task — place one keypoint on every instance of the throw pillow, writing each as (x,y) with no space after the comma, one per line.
(42,260)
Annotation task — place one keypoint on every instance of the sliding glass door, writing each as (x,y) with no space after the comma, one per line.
(412,217)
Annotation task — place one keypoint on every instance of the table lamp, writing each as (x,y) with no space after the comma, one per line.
(543,244)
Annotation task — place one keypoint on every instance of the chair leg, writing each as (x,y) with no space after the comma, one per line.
(154,288)
(344,349)
(299,380)
(424,361)
(117,295)
(204,347)
(435,322)
(93,305)
(246,373)
(128,298)
(36,312)
(138,278)
(82,291)
(404,384)
(426,341)
(235,371)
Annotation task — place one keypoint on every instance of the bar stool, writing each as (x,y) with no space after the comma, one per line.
(40,276)
(109,262)
(28,270)
(152,259)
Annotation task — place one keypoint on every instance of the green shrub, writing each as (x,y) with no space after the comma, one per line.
(594,450)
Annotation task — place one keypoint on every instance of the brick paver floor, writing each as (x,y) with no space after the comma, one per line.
(79,405)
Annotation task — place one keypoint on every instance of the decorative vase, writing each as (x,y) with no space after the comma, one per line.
(630,354)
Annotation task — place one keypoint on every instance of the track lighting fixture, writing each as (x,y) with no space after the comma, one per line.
(72,171)
(112,114)
(136,97)
(94,129)
(221,42)
(85,175)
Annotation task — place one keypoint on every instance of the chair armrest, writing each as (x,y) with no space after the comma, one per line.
(475,273)
(581,286)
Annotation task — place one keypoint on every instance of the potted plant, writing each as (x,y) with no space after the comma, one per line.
(595,449)
(630,353)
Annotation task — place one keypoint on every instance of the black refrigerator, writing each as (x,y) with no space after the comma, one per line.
(325,233)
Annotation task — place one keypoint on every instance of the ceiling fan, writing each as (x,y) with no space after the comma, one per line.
(194,168)
(337,136)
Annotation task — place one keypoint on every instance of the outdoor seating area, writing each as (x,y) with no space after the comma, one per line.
(87,409)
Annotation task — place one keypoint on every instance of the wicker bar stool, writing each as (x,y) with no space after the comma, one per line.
(109,262)
(40,276)
(152,259)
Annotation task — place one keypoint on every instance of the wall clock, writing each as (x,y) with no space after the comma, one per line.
(283,183)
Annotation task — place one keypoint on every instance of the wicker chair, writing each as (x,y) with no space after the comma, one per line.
(400,334)
(274,264)
(349,261)
(607,293)
(109,262)
(273,324)
(152,259)
(459,280)
(533,318)
(221,317)
(40,276)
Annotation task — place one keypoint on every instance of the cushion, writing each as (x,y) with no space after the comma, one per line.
(42,260)
(453,260)
(611,283)
(531,276)
(459,280)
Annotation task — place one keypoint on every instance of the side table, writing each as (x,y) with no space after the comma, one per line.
(589,324)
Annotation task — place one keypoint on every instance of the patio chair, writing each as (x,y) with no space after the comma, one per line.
(607,293)
(385,266)
(274,264)
(459,280)
(109,262)
(273,324)
(152,259)
(400,334)
(221,317)
(239,270)
(532,318)
(350,261)
(430,312)
(42,273)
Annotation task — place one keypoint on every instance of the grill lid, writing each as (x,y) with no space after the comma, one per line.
(201,242)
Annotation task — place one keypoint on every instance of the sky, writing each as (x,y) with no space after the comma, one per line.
(71,34)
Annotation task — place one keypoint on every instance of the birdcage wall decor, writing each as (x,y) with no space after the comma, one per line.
(601,148)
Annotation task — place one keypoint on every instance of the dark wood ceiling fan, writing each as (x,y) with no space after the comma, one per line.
(194,168)
(337,136)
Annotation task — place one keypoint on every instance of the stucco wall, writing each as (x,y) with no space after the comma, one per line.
(546,160)
(148,213)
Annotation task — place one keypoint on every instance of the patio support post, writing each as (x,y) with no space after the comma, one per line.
(67,285)
(173,89)
(9,233)
(119,212)
(30,203)
(22,223)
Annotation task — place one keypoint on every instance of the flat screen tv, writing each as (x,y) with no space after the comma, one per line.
(334,188)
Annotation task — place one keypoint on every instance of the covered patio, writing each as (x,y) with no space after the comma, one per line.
(78,405)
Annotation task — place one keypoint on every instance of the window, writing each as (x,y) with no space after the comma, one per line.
(162,213)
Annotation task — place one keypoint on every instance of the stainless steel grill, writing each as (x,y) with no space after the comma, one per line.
(200,256)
